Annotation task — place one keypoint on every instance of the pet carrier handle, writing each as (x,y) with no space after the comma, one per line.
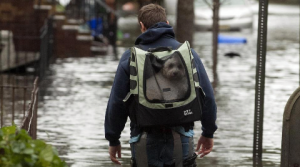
(160,49)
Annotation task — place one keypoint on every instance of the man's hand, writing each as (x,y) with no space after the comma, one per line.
(205,145)
(113,150)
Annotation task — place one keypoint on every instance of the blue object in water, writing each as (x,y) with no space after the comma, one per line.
(228,39)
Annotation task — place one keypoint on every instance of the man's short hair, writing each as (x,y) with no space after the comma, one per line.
(151,14)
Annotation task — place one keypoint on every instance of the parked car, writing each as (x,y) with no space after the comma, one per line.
(233,15)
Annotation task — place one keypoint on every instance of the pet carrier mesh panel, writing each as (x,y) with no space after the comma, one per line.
(166,79)
(164,87)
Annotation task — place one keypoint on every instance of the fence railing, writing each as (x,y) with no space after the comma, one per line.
(29,122)
(26,115)
(46,50)
(20,48)
(24,48)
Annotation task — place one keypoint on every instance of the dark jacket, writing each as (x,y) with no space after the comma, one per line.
(161,34)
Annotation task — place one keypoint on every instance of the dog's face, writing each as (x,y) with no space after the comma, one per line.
(173,68)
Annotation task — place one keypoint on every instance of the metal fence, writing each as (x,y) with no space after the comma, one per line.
(26,48)
(29,122)
(14,109)
(46,50)
(19,49)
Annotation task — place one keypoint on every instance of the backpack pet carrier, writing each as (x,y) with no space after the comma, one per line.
(164,87)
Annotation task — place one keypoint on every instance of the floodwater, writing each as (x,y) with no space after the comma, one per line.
(74,99)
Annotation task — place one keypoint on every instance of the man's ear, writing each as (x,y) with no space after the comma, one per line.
(168,22)
(143,28)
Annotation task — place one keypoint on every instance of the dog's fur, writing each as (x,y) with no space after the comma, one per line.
(172,76)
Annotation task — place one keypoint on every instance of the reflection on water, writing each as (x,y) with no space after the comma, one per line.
(71,114)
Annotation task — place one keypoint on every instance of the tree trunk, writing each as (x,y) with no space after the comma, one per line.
(185,21)
(216,7)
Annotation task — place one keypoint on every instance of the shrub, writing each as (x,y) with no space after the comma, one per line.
(17,149)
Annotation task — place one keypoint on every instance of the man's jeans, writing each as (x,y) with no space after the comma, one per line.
(162,149)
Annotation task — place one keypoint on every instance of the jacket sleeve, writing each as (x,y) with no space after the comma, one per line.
(116,112)
(209,113)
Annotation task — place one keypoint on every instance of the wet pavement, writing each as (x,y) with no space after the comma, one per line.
(72,109)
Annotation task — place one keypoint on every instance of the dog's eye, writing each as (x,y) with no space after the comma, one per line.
(171,65)
(180,66)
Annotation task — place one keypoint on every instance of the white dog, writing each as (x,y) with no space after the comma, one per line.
(170,83)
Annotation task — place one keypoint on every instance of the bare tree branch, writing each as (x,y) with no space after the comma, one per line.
(208,4)
(222,2)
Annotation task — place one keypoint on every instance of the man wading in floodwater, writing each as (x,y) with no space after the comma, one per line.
(163,100)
